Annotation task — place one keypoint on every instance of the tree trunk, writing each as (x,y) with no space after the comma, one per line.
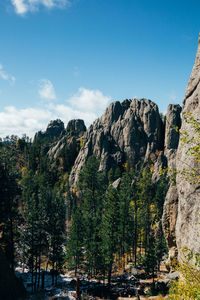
(135,235)
(110,273)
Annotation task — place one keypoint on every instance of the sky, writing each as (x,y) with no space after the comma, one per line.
(69,59)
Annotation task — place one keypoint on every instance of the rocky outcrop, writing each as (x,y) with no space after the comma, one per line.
(173,124)
(54,130)
(168,157)
(132,128)
(170,211)
(75,128)
(70,142)
(188,219)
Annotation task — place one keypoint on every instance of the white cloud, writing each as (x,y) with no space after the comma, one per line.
(30,120)
(19,121)
(89,100)
(46,90)
(5,76)
(20,6)
(23,6)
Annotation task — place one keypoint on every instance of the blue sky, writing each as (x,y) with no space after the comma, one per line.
(70,58)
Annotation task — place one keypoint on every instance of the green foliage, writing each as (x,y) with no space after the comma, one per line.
(105,225)
(9,214)
(159,195)
(149,259)
(126,226)
(188,285)
(75,254)
(191,139)
(91,192)
(110,230)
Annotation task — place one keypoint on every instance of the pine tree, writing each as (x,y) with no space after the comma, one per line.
(126,218)
(56,231)
(75,240)
(149,260)
(9,213)
(91,191)
(110,230)
(145,191)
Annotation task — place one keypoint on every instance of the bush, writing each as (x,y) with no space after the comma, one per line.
(188,285)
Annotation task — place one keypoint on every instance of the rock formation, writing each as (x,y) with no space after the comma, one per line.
(181,216)
(188,219)
(173,124)
(75,128)
(70,142)
(170,210)
(54,130)
(132,128)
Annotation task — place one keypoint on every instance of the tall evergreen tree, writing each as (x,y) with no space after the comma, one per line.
(145,190)
(75,253)
(126,218)
(110,230)
(9,213)
(91,191)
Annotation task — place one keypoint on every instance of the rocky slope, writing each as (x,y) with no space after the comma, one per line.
(132,128)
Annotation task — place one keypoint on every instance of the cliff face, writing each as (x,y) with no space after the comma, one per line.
(132,128)
(170,209)
(181,216)
(188,219)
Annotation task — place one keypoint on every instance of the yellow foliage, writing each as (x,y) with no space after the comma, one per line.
(81,142)
(125,165)
(188,285)
(60,160)
(23,171)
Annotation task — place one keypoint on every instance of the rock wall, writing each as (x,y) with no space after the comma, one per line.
(181,215)
(188,219)
(170,209)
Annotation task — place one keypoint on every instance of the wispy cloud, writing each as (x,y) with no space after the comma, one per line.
(30,120)
(24,6)
(5,76)
(173,97)
(46,90)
